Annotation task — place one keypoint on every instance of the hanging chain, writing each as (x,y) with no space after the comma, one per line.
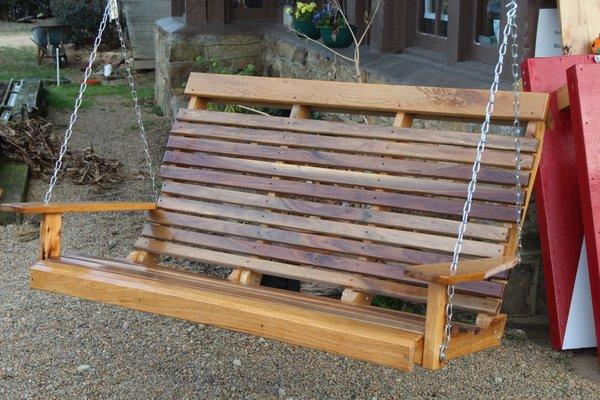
(138,112)
(78,101)
(514,49)
(111,11)
(485,128)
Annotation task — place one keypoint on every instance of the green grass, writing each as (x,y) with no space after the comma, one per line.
(64,95)
(22,63)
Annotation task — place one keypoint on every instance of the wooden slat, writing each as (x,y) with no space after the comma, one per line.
(468,270)
(41,208)
(351,178)
(385,218)
(361,97)
(291,254)
(370,285)
(382,316)
(302,239)
(353,195)
(259,249)
(336,228)
(363,340)
(341,160)
(465,343)
(454,154)
(320,127)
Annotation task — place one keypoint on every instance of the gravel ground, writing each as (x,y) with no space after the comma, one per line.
(54,347)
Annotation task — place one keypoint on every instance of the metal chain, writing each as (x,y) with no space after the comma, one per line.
(78,101)
(514,48)
(136,106)
(485,128)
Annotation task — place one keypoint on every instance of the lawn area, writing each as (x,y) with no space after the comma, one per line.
(64,96)
(21,63)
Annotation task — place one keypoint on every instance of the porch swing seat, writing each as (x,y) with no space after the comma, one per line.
(371,209)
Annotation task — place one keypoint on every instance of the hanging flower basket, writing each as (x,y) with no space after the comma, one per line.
(308,28)
(340,39)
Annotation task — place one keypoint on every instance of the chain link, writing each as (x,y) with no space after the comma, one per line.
(514,48)
(485,128)
(108,11)
(78,101)
(138,112)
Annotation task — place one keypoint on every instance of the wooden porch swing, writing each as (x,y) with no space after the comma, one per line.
(374,210)
(369,208)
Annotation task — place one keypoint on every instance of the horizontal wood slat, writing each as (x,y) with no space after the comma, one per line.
(362,97)
(336,228)
(369,285)
(385,218)
(353,195)
(380,147)
(340,160)
(302,239)
(334,176)
(289,254)
(383,316)
(333,128)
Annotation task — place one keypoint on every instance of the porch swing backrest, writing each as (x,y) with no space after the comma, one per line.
(340,203)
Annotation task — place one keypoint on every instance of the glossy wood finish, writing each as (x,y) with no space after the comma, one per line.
(360,97)
(371,209)
(211,301)
(470,270)
(41,208)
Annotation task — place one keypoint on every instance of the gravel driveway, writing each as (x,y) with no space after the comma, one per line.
(54,347)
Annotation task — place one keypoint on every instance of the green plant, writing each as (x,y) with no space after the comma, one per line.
(305,11)
(215,66)
(14,9)
(329,17)
(83,18)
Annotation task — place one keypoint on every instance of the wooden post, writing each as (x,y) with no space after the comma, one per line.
(437,296)
(195,12)
(50,238)
(580,24)
(460,15)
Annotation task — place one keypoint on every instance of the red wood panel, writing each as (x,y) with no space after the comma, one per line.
(557,193)
(584,93)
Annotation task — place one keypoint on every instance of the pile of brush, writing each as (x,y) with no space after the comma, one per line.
(33,142)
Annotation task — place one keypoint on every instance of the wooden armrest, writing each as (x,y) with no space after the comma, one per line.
(468,270)
(59,208)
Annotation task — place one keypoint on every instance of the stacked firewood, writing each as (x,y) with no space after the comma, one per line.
(33,142)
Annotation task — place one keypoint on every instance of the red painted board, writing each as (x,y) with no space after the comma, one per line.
(557,192)
(584,97)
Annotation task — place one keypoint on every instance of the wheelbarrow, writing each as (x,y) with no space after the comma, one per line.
(50,39)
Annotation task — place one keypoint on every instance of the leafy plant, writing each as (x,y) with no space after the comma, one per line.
(83,18)
(14,9)
(305,11)
(328,17)
(214,66)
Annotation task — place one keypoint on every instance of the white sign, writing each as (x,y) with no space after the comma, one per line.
(548,42)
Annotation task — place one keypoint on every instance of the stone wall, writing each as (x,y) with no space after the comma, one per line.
(178,51)
(280,53)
